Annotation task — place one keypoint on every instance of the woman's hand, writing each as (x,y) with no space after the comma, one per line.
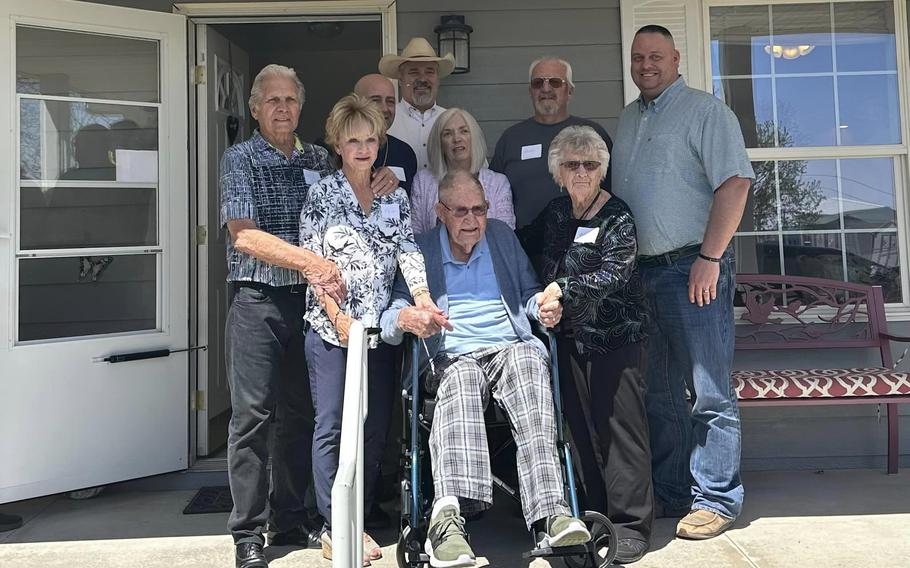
(550,313)
(343,327)
(384,182)
(551,293)
(425,303)
(422,323)
(548,305)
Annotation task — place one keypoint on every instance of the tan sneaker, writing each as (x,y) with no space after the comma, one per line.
(700,524)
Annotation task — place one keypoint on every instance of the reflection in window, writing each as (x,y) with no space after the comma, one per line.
(93,66)
(873,258)
(819,217)
(821,76)
(781,68)
(867,186)
(78,141)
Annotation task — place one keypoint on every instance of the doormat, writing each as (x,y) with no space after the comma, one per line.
(210,500)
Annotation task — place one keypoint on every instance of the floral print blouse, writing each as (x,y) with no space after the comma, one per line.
(593,261)
(368,249)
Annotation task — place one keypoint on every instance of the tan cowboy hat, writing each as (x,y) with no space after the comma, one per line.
(418,49)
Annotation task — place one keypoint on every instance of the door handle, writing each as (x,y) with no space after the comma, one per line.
(6,236)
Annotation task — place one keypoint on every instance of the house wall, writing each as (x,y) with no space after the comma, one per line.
(508,35)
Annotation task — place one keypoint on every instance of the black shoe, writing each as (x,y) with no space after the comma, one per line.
(297,536)
(9,522)
(377,518)
(630,550)
(249,555)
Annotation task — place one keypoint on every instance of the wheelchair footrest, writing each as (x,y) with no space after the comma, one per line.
(549,551)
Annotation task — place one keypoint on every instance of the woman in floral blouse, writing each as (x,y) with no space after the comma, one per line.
(369,238)
(588,247)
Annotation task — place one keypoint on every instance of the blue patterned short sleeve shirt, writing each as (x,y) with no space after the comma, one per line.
(258,182)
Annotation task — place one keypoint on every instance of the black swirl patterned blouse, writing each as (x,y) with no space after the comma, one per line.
(593,262)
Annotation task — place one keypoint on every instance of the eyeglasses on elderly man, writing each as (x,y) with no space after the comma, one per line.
(477,210)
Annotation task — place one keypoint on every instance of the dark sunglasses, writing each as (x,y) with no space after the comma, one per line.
(477,210)
(589,165)
(555,82)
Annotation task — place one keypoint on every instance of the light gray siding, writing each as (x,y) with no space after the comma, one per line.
(508,35)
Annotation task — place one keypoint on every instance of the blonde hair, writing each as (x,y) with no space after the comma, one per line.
(438,165)
(348,114)
(582,140)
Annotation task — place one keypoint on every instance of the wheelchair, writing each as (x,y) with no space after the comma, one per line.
(417,482)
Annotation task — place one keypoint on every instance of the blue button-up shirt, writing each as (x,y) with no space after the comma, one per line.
(669,157)
(258,182)
(476,309)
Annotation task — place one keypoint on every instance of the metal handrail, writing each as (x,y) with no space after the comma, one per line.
(347,491)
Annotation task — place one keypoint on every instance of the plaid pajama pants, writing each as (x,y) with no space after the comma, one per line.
(517,377)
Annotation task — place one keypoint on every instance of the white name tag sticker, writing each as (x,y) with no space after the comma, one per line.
(311,176)
(531,152)
(390,211)
(586,234)
(399,173)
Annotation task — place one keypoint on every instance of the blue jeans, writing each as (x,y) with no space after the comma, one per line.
(327,363)
(695,453)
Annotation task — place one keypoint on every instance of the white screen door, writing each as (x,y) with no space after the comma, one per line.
(93,245)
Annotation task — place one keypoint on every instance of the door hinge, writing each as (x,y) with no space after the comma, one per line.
(199,75)
(198,400)
(201,234)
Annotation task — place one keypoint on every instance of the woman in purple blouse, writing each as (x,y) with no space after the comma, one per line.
(456,143)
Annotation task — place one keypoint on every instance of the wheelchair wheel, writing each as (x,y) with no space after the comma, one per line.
(408,550)
(602,548)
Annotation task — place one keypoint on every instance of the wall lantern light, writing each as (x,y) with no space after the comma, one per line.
(454,36)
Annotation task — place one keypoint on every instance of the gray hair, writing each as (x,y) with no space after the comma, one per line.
(447,183)
(582,140)
(436,156)
(561,61)
(274,70)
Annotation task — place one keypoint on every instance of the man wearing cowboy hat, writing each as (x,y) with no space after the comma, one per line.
(418,71)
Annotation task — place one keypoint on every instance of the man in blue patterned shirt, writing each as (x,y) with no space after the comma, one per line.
(264,181)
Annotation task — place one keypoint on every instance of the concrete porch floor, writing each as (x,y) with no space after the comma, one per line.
(837,518)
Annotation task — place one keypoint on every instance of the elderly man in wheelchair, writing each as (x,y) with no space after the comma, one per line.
(477,345)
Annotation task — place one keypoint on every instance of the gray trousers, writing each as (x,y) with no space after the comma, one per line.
(264,326)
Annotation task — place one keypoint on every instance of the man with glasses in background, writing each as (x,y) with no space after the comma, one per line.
(521,153)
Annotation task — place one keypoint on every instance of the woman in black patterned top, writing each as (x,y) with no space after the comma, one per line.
(586,241)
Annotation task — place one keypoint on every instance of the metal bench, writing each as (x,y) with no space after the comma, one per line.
(789,312)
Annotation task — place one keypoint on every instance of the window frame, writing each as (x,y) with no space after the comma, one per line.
(900,153)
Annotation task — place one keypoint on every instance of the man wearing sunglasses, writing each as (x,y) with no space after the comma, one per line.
(681,165)
(521,153)
(483,348)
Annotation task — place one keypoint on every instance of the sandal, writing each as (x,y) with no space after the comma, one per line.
(371,548)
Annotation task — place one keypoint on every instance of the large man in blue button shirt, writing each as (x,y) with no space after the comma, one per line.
(680,163)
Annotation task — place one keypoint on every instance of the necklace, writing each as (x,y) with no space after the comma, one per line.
(590,205)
